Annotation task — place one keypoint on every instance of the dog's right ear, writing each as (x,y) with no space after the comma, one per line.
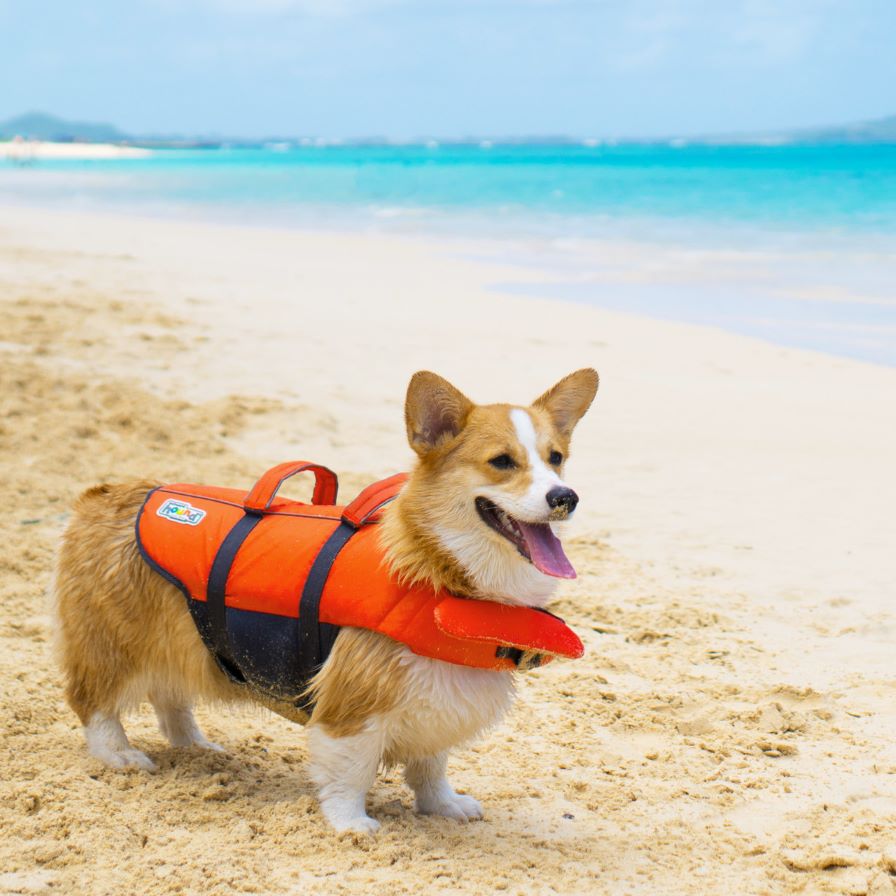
(434,411)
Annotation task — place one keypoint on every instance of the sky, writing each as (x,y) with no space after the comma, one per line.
(408,68)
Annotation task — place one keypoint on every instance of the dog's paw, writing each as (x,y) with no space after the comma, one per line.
(458,806)
(129,758)
(348,816)
(363,824)
(204,744)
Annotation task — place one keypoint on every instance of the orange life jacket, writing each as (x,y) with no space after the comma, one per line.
(270,581)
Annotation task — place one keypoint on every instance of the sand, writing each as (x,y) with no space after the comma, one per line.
(730,729)
(33,150)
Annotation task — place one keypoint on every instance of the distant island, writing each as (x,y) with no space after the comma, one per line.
(39,126)
(878,130)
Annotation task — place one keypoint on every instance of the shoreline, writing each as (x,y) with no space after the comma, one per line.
(732,719)
(25,151)
(792,296)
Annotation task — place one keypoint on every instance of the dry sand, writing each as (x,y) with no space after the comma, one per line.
(731,727)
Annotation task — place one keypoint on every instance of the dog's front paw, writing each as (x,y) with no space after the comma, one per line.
(458,806)
(363,824)
(348,816)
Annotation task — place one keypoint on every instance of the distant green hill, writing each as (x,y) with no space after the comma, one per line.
(878,130)
(38,126)
(881,130)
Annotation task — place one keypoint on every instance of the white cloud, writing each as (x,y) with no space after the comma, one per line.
(645,35)
(779,31)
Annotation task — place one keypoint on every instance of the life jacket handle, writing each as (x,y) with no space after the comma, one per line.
(366,507)
(263,492)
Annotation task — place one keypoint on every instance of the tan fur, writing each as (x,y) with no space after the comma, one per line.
(567,401)
(123,629)
(126,634)
(463,437)
(443,477)
(362,678)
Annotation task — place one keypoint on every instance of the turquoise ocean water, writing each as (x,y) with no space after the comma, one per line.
(802,239)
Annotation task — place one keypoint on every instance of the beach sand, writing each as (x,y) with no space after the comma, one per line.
(32,150)
(731,728)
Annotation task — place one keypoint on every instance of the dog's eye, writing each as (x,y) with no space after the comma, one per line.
(503,462)
(555,458)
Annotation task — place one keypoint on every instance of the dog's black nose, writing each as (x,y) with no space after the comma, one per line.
(562,497)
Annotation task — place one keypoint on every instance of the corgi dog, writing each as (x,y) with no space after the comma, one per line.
(475,518)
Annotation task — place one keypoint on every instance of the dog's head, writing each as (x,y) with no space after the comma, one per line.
(489,488)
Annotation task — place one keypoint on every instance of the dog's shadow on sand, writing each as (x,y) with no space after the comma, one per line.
(256,783)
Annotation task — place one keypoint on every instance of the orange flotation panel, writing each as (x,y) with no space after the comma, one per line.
(270,581)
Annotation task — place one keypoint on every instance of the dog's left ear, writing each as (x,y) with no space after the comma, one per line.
(434,411)
(567,401)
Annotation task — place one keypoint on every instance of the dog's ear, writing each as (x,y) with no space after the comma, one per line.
(434,411)
(567,401)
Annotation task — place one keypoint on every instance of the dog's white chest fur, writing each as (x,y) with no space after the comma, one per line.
(445,705)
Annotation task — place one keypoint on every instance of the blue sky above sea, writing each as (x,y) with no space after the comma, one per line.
(402,68)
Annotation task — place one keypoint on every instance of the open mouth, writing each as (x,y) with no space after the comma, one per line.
(535,541)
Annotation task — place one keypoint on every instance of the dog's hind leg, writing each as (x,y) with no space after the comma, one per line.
(176,722)
(107,741)
(97,693)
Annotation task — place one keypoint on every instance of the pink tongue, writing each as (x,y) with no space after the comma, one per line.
(546,551)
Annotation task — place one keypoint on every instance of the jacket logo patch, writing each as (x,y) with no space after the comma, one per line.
(181,512)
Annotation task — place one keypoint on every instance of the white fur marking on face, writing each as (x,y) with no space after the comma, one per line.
(496,573)
(543,477)
(499,571)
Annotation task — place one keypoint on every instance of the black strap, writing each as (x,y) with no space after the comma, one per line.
(509,653)
(217,587)
(533,660)
(316,638)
